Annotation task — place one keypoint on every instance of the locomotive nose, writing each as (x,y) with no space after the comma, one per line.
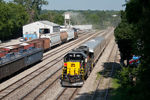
(73,68)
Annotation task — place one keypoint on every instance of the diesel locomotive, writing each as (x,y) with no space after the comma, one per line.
(79,63)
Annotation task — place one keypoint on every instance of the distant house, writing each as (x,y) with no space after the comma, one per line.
(39,28)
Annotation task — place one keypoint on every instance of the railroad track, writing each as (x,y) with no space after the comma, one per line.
(111,74)
(65,46)
(5,44)
(20,83)
(43,86)
(102,89)
(36,93)
(67,94)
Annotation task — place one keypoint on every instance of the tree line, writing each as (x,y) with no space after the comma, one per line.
(12,17)
(17,13)
(98,18)
(132,36)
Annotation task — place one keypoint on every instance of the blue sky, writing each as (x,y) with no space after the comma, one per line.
(84,4)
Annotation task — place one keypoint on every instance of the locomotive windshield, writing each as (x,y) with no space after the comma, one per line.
(73,57)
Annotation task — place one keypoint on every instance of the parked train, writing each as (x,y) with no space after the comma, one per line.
(43,42)
(60,35)
(79,63)
(15,61)
(12,59)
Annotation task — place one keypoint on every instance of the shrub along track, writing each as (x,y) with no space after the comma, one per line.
(102,88)
(23,86)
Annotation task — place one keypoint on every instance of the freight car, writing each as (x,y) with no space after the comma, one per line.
(79,62)
(12,59)
(63,36)
(48,41)
(15,61)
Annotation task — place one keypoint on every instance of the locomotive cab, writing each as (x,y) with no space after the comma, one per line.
(76,66)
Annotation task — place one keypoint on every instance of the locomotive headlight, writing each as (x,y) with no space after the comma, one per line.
(86,60)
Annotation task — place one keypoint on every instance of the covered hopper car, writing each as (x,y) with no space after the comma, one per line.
(79,62)
(15,61)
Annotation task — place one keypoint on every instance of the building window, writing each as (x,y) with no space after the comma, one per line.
(44,31)
(56,28)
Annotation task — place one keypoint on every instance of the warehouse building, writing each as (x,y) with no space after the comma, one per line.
(39,28)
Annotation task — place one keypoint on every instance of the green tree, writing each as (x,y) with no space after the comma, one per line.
(138,12)
(12,18)
(99,19)
(59,19)
(125,38)
(137,15)
(53,17)
(33,7)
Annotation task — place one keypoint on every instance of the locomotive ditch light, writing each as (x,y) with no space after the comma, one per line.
(65,64)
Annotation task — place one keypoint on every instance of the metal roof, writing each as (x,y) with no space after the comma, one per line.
(48,23)
(44,22)
(93,43)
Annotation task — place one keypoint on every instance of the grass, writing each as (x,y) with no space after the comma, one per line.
(98,76)
(116,91)
(115,83)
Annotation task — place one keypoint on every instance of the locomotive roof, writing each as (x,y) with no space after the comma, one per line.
(78,52)
(93,43)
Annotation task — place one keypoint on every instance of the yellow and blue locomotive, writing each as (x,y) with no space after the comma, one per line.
(77,66)
(79,62)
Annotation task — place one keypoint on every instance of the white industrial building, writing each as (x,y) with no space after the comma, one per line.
(83,27)
(36,29)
